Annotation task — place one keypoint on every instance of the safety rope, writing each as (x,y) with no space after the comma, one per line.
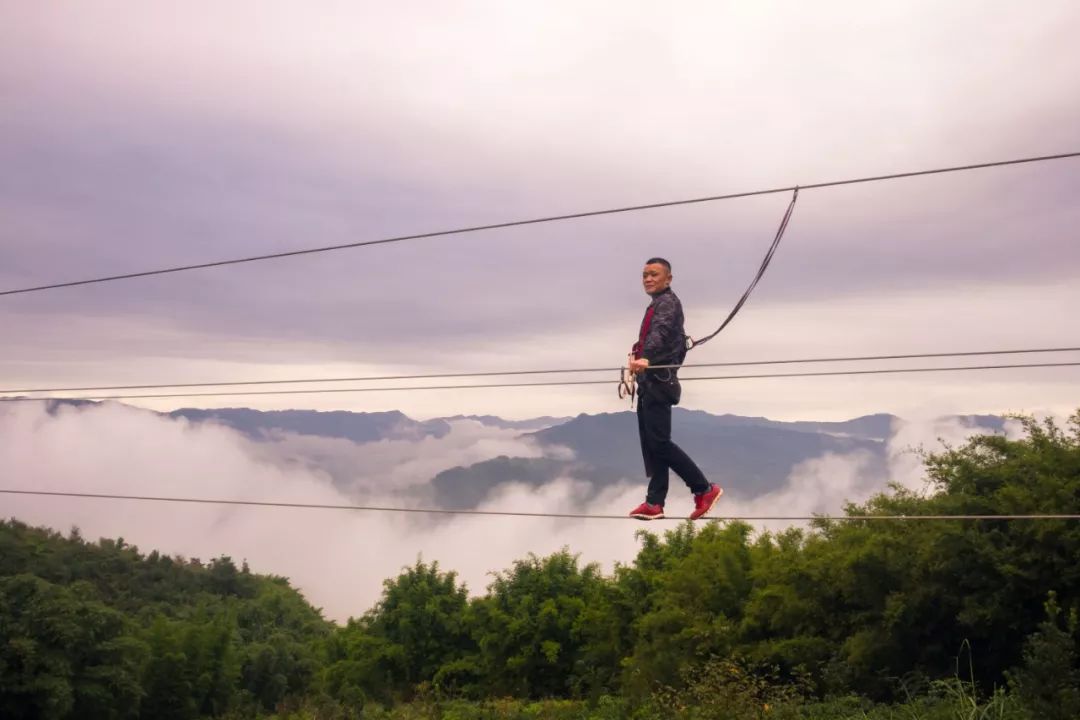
(690,342)
(628,380)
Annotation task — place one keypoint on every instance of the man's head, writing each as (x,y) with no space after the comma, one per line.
(656,277)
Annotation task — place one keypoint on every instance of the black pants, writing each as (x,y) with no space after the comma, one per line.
(657,449)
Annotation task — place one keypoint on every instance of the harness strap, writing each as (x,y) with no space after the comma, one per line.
(646,324)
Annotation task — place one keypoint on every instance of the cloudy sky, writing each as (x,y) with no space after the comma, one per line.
(142,135)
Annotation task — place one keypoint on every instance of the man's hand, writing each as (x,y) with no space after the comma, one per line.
(638,366)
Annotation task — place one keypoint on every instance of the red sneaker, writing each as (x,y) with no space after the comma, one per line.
(645,511)
(704,502)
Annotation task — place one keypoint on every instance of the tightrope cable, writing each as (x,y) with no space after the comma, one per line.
(510,513)
(555,383)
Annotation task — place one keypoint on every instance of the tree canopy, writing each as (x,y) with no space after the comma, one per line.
(870,611)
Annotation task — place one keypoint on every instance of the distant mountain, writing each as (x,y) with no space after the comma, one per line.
(464,488)
(989,422)
(875,427)
(357,427)
(527,425)
(52,406)
(746,458)
(754,457)
(748,455)
(870,427)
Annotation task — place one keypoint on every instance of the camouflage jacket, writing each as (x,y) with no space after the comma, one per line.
(661,339)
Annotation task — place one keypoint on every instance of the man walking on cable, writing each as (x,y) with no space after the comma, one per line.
(662,341)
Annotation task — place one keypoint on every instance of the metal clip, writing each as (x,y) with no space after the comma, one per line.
(627,383)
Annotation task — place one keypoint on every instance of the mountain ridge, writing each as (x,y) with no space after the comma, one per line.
(750,456)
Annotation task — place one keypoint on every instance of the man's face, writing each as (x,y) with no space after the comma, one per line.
(656,278)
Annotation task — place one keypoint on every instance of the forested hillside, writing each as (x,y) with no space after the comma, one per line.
(848,619)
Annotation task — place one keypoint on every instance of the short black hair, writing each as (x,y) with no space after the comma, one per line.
(659,261)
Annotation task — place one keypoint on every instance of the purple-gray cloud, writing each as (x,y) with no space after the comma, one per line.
(220,132)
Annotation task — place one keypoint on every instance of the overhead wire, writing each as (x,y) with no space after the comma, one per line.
(558,383)
(511,513)
(551,371)
(539,220)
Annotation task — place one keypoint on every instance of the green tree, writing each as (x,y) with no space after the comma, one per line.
(64,654)
(418,625)
(1048,682)
(530,628)
(697,588)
